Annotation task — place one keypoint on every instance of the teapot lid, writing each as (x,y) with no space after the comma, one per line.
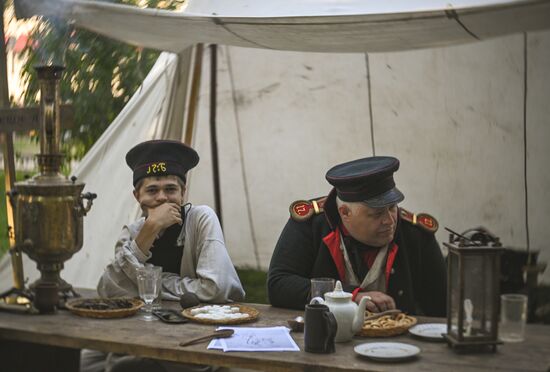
(338,292)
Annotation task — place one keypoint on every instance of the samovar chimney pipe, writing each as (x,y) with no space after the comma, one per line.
(50,158)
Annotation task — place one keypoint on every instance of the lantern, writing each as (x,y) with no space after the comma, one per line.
(473,289)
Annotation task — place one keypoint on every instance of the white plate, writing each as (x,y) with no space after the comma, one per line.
(387,351)
(431,331)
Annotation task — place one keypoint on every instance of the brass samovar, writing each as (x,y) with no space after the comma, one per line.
(49,207)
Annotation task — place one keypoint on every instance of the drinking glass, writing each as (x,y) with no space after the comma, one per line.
(513,316)
(156,302)
(320,286)
(148,286)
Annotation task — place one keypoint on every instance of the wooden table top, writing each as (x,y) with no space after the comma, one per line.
(159,340)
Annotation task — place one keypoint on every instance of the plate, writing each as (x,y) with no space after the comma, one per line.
(252,315)
(430,331)
(387,351)
(98,307)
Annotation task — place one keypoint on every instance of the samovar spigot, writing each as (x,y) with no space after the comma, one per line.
(80,208)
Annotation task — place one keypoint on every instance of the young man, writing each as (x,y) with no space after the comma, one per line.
(359,235)
(187,241)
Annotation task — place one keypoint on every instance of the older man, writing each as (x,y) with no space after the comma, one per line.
(359,235)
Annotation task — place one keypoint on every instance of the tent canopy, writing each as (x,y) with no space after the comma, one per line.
(339,26)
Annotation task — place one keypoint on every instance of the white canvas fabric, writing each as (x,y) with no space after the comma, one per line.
(340,26)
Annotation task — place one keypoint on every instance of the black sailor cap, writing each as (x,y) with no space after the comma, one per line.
(368,180)
(158,158)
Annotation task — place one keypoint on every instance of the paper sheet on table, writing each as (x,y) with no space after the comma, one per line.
(256,339)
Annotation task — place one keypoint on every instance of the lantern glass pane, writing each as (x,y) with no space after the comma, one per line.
(478,303)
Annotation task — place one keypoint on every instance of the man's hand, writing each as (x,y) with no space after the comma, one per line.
(158,219)
(164,216)
(379,301)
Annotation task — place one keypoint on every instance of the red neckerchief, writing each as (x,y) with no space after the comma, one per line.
(368,255)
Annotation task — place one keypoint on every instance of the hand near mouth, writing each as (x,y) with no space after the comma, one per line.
(164,215)
(158,219)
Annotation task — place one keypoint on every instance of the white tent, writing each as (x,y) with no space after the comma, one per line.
(306,25)
(458,117)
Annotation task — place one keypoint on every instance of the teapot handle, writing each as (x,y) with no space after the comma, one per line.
(317,300)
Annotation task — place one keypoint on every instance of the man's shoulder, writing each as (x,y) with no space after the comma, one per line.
(200,212)
(305,210)
(310,221)
(199,209)
(422,221)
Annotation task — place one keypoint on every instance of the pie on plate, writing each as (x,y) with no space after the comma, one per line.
(386,325)
(221,314)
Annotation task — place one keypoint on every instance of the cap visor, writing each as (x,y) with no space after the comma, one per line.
(390,197)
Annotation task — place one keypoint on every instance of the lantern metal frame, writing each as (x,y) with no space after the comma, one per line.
(457,338)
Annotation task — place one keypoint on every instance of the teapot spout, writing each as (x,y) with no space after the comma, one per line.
(359,315)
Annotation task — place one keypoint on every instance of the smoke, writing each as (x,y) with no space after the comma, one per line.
(46,8)
(52,41)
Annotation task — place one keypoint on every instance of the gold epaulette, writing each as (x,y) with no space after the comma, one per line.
(303,210)
(422,220)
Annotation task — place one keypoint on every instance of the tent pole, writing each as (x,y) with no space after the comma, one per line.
(213,132)
(194,97)
(192,112)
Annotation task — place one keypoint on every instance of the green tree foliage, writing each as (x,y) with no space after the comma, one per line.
(100,77)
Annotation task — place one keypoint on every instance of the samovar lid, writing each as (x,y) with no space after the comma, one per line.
(55,185)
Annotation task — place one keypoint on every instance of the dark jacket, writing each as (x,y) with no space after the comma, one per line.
(417,281)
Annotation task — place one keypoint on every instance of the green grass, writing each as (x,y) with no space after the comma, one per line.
(254,283)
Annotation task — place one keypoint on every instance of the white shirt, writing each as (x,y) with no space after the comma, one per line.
(206,268)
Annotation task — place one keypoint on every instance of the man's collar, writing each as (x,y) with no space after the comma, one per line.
(331,210)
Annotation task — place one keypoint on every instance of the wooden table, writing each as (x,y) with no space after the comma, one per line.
(59,337)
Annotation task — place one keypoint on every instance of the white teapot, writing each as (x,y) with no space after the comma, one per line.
(349,316)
